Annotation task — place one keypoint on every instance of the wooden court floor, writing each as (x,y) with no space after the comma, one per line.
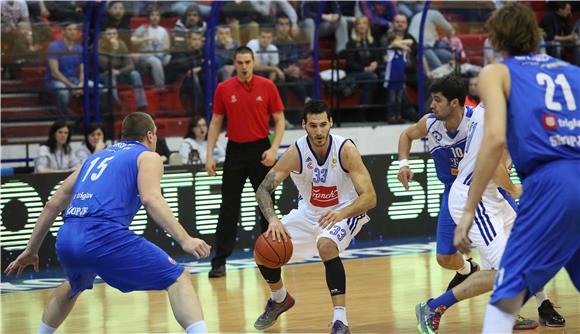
(382,293)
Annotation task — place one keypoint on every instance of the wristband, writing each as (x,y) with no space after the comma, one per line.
(403,163)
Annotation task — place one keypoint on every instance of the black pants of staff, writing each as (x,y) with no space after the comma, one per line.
(242,161)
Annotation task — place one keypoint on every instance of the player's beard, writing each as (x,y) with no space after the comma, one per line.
(319,141)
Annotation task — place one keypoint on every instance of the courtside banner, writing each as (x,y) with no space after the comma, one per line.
(195,197)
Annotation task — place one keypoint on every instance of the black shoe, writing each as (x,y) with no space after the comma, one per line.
(458,279)
(219,271)
(549,316)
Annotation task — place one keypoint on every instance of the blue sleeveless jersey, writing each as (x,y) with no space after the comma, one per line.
(106,188)
(447,147)
(543,118)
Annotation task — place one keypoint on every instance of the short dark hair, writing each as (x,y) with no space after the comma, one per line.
(315,107)
(90,129)
(283,16)
(243,50)
(136,125)
(452,87)
(51,142)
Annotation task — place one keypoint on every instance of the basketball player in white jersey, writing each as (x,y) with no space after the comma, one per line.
(494,219)
(335,192)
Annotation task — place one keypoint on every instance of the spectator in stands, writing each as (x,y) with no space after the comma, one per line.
(114,51)
(180,7)
(362,57)
(55,155)
(576,52)
(26,46)
(400,47)
(193,149)
(190,21)
(61,11)
(436,51)
(241,17)
(115,17)
(163,150)
(225,46)
(332,22)
(94,142)
(11,13)
(153,40)
(290,54)
(267,57)
(472,99)
(557,29)
(267,11)
(65,68)
(187,63)
(490,56)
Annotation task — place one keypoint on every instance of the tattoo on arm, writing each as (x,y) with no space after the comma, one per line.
(264,195)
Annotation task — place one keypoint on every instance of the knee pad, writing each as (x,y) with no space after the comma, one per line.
(271,275)
(335,276)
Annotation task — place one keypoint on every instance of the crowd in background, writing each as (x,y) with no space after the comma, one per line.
(154,45)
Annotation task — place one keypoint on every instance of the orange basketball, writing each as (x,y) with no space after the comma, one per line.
(270,253)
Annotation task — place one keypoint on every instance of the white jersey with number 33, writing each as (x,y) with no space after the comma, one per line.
(323,185)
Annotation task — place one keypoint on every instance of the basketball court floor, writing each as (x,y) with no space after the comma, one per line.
(383,285)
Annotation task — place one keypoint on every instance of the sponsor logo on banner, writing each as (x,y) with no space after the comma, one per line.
(550,122)
(324,197)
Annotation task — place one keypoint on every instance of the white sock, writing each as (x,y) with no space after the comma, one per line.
(278,295)
(540,297)
(466,268)
(197,327)
(45,329)
(340,314)
(497,321)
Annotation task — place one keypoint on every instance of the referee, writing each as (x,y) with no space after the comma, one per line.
(247,100)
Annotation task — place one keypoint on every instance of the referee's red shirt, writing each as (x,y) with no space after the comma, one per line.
(247,107)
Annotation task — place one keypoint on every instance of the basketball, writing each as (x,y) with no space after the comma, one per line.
(270,253)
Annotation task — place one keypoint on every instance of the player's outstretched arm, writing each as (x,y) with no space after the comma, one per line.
(290,161)
(215,126)
(413,132)
(494,89)
(148,180)
(51,210)
(367,198)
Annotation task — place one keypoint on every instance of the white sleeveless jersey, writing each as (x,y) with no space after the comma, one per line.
(322,185)
(447,147)
(472,146)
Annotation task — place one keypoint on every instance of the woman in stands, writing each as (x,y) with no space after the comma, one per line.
(194,145)
(55,155)
(94,142)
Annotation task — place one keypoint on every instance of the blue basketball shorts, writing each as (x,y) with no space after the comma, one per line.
(120,257)
(445,226)
(546,234)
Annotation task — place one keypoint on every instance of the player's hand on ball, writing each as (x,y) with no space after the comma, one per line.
(23,260)
(405,175)
(278,232)
(330,218)
(196,247)
(461,239)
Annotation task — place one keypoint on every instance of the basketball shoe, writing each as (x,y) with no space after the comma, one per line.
(427,318)
(549,316)
(338,327)
(458,278)
(273,311)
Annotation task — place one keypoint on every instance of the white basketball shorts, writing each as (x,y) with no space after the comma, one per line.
(494,219)
(305,233)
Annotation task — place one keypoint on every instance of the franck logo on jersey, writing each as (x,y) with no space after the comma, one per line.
(550,122)
(324,197)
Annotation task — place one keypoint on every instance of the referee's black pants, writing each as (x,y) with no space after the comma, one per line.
(242,161)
